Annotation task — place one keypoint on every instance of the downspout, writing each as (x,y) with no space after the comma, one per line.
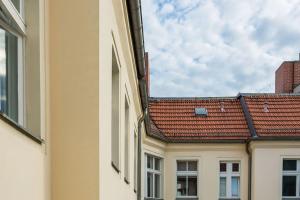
(139,170)
(253,136)
(249,169)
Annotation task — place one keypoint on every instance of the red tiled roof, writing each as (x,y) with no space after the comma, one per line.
(282,118)
(174,119)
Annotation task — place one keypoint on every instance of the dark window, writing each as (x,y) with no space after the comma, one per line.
(289,186)
(223,167)
(235,167)
(289,165)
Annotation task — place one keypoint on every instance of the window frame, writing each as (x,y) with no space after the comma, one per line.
(153,172)
(229,174)
(187,174)
(295,173)
(15,25)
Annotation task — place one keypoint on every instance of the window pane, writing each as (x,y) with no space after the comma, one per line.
(192,165)
(149,162)
(289,186)
(223,167)
(181,186)
(235,167)
(235,186)
(181,165)
(222,186)
(157,186)
(192,186)
(157,164)
(9,74)
(149,185)
(289,165)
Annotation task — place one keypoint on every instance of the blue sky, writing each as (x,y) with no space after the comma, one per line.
(218,47)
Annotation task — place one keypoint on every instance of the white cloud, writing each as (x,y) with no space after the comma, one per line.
(220,47)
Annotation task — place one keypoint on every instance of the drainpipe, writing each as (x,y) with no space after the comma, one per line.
(249,169)
(139,170)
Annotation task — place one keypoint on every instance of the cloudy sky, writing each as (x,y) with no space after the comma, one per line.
(218,47)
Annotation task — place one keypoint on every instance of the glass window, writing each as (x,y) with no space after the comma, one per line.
(115,111)
(223,167)
(187,178)
(222,186)
(229,180)
(16,4)
(154,177)
(291,178)
(290,165)
(289,186)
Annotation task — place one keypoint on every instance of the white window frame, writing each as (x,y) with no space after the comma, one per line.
(292,173)
(228,175)
(153,172)
(187,174)
(17,28)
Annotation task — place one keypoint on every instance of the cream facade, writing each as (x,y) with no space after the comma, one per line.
(266,164)
(62,149)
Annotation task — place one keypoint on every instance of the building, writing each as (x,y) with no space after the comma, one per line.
(244,147)
(73,97)
(288,77)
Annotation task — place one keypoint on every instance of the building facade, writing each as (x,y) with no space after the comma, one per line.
(244,147)
(73,97)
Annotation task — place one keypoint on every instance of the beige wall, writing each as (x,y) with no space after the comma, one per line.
(74,99)
(267,167)
(114,33)
(22,168)
(208,157)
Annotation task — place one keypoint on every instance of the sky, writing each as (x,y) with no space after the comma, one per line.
(218,47)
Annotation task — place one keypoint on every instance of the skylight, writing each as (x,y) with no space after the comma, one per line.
(201,112)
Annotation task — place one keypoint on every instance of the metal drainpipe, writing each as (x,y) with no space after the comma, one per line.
(139,170)
(249,170)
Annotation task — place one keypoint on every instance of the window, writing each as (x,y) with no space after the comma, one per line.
(12,33)
(127,140)
(153,177)
(229,180)
(291,178)
(115,135)
(187,178)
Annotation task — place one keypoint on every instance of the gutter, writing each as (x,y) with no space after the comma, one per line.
(139,170)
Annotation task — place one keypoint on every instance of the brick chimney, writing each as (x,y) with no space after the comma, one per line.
(147,78)
(287,78)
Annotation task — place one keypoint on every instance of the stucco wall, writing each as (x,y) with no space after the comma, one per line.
(74,99)
(267,167)
(208,157)
(22,169)
(115,35)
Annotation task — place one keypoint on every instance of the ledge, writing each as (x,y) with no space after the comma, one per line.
(19,128)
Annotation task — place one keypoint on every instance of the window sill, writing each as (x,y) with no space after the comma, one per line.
(187,198)
(115,167)
(229,199)
(19,128)
(290,198)
(152,198)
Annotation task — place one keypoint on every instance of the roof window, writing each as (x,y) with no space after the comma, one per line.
(266,107)
(201,112)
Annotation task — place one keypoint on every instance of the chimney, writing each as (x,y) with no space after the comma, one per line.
(147,78)
(287,79)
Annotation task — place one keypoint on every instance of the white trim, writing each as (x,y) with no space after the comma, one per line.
(14,14)
(153,172)
(187,174)
(291,173)
(229,174)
